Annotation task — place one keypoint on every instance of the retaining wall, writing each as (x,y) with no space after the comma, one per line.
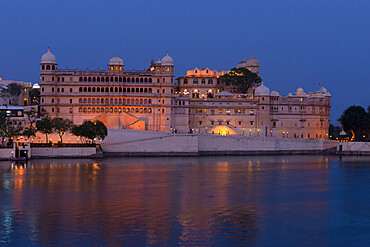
(62,152)
(5,153)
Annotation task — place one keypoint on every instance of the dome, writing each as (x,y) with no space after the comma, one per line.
(290,94)
(48,57)
(300,90)
(116,61)
(262,90)
(323,90)
(242,64)
(327,94)
(252,61)
(275,93)
(167,60)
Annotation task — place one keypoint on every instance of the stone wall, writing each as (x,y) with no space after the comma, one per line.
(5,153)
(353,148)
(135,142)
(62,152)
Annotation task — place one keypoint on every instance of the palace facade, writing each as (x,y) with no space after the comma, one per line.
(198,102)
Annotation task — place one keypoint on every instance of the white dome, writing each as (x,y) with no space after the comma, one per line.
(328,94)
(323,90)
(262,90)
(48,57)
(300,90)
(242,64)
(116,61)
(252,61)
(290,94)
(275,93)
(167,60)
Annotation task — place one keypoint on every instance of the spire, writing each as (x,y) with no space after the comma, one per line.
(243,58)
(252,55)
(49,49)
(167,53)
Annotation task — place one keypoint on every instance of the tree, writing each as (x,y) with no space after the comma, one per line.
(242,79)
(12,91)
(90,130)
(45,126)
(29,131)
(34,95)
(354,120)
(334,132)
(61,126)
(31,115)
(4,122)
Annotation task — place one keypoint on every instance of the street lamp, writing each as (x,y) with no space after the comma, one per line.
(250,132)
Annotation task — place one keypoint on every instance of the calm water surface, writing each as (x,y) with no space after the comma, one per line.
(212,201)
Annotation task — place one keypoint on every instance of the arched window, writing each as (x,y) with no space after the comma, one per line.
(136,101)
(210,81)
(106,101)
(43,67)
(128,89)
(120,90)
(111,89)
(80,79)
(93,89)
(89,101)
(124,101)
(85,78)
(116,79)
(98,79)
(98,89)
(93,79)
(80,100)
(47,67)
(116,89)
(150,79)
(102,101)
(80,89)
(124,79)
(93,101)
(80,109)
(102,79)
(53,67)
(111,79)
(85,100)
(141,101)
(195,81)
(111,101)
(185,81)
(93,110)
(145,110)
(137,79)
(132,102)
(149,101)
(124,90)
(115,101)
(149,110)
(145,90)
(89,79)
(150,90)
(146,80)
(85,89)
(203,82)
(141,90)
(137,90)
(128,79)
(120,101)
(141,79)
(89,89)
(120,79)
(102,90)
(106,89)
(115,109)
(145,101)
(97,101)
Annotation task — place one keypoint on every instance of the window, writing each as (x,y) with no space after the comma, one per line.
(210,81)
(203,82)
(185,81)
(195,82)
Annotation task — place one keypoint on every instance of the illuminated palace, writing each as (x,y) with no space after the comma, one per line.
(151,100)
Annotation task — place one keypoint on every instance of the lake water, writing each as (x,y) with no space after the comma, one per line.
(195,201)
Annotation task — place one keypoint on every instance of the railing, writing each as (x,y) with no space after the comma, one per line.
(58,145)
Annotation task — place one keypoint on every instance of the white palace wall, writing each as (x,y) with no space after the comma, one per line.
(135,142)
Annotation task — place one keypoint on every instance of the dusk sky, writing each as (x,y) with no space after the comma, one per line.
(298,43)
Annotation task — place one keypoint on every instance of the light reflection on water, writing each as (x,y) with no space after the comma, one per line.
(234,200)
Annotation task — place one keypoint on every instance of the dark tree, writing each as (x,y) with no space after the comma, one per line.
(34,95)
(61,126)
(29,131)
(241,79)
(45,126)
(90,130)
(354,120)
(334,132)
(12,91)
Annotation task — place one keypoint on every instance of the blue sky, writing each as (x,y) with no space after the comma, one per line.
(298,43)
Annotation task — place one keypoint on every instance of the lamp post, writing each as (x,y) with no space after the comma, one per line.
(258,131)
(250,132)
(243,131)
(206,130)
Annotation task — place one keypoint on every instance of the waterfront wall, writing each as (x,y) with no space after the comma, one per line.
(135,142)
(362,148)
(5,153)
(62,152)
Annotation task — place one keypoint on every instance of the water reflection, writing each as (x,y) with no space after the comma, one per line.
(237,200)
